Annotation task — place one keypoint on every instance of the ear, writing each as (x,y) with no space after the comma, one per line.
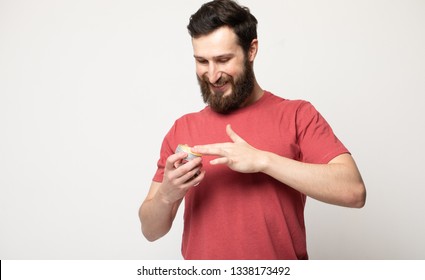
(253,49)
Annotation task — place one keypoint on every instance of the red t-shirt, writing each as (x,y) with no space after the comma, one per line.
(232,215)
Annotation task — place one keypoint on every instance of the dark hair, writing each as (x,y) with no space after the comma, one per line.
(219,13)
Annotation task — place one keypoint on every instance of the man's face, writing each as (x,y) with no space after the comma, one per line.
(224,72)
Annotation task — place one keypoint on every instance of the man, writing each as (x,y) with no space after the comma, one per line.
(262,155)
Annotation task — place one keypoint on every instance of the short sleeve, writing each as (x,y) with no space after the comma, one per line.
(316,139)
(166,151)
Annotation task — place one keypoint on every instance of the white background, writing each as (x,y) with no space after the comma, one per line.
(89,88)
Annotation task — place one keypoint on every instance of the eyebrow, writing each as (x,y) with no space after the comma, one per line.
(229,55)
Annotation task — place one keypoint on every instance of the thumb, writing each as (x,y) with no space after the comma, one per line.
(235,138)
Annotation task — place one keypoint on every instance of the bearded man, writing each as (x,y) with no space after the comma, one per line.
(262,155)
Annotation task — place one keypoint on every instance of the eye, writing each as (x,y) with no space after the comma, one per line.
(223,60)
(202,61)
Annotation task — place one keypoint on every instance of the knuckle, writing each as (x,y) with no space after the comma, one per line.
(168,177)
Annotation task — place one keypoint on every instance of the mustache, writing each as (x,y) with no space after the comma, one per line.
(224,78)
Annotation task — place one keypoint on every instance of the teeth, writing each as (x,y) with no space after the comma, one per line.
(220,85)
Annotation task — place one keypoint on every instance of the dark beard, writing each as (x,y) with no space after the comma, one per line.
(242,88)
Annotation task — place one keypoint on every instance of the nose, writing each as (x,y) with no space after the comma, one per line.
(214,74)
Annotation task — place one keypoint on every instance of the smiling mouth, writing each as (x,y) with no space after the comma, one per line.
(219,90)
(220,85)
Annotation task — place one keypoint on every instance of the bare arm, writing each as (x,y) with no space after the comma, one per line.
(338,182)
(159,209)
(156,215)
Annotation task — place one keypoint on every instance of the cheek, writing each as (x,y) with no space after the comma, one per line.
(231,71)
(235,69)
(235,73)
(200,69)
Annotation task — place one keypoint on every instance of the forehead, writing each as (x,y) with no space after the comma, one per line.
(221,41)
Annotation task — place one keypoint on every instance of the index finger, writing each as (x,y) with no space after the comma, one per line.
(171,160)
(211,149)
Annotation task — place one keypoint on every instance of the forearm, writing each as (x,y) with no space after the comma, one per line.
(160,207)
(337,182)
(156,217)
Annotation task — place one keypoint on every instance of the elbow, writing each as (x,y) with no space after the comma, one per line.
(150,234)
(357,197)
(146,231)
(153,236)
(152,227)
(150,237)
